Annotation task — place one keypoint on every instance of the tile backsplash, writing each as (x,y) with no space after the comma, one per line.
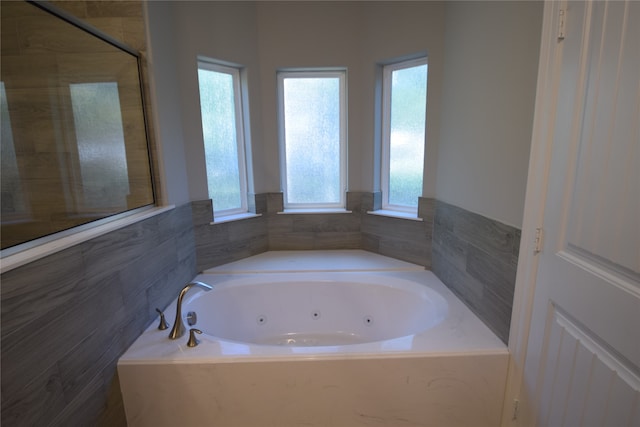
(476,257)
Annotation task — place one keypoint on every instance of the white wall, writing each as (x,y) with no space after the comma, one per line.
(218,30)
(170,148)
(266,36)
(491,57)
(355,35)
(482,63)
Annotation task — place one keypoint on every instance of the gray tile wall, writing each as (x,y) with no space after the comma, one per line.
(310,231)
(397,238)
(68,317)
(476,257)
(403,239)
(225,242)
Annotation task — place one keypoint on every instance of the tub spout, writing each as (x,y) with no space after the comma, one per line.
(178,329)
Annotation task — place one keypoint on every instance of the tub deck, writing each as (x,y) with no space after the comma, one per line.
(451,375)
(461,332)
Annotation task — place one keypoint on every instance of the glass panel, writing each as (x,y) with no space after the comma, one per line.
(312,139)
(220,140)
(74,140)
(12,203)
(101,150)
(407,132)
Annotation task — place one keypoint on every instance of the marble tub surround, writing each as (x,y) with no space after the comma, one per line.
(452,374)
(477,257)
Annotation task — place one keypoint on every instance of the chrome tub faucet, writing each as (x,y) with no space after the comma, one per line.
(178,329)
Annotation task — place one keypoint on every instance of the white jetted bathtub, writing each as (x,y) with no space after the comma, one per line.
(315,309)
(318,338)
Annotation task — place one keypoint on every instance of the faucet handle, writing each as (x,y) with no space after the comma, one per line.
(163,323)
(193,341)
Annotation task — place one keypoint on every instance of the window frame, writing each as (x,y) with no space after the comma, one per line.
(241,141)
(385,158)
(341,74)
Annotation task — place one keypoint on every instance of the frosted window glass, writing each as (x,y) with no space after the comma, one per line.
(312,140)
(217,103)
(101,150)
(407,134)
(12,202)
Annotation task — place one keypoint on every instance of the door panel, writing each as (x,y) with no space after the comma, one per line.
(583,355)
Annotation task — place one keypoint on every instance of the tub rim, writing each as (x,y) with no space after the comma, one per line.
(461,333)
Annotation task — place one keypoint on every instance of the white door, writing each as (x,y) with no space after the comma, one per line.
(582,364)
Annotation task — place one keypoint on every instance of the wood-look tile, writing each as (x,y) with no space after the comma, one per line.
(148,268)
(515,252)
(337,240)
(409,230)
(354,201)
(275,202)
(470,291)
(23,74)
(85,408)
(291,241)
(87,359)
(322,223)
(370,242)
(115,9)
(491,236)
(471,252)
(444,215)
(247,229)
(47,340)
(174,221)
(258,203)
(248,247)
(496,314)
(136,317)
(9,36)
(450,246)
(494,274)
(411,251)
(161,294)
(33,403)
(202,212)
(185,244)
(426,208)
(279,224)
(39,287)
(112,251)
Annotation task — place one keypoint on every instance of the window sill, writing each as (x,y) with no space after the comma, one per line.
(314,211)
(396,214)
(236,217)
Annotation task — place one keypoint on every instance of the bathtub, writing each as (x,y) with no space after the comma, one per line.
(314,309)
(318,338)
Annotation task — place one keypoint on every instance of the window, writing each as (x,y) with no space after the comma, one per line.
(313,138)
(12,203)
(224,144)
(404,92)
(97,118)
